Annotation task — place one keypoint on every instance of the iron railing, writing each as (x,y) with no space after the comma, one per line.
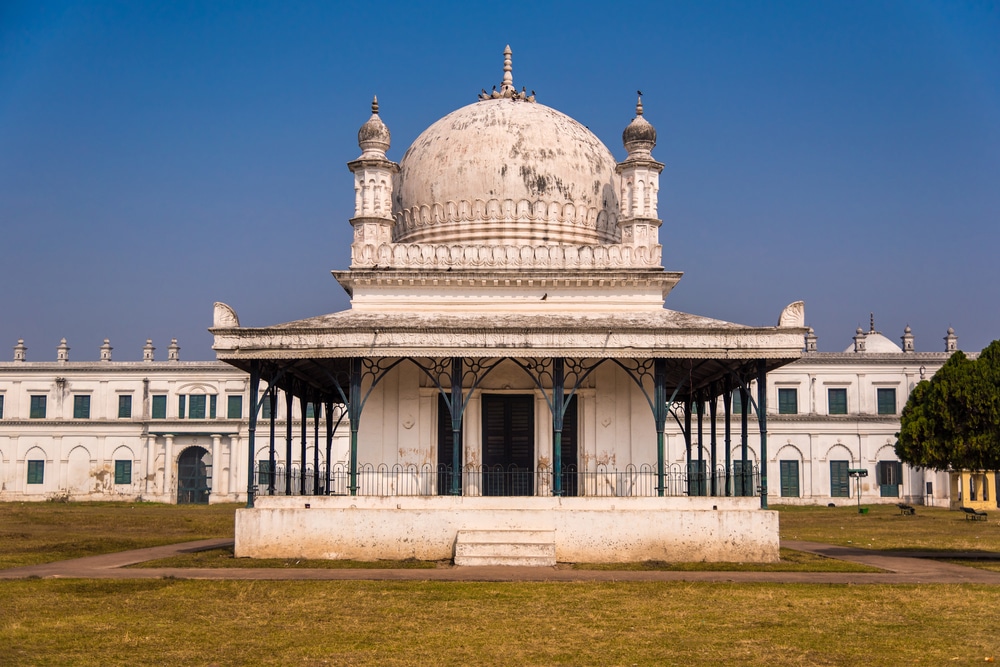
(602,481)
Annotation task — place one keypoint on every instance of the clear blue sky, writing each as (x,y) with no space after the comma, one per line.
(157,157)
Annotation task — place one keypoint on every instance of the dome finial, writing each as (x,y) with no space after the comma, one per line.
(640,136)
(638,105)
(375,105)
(507,86)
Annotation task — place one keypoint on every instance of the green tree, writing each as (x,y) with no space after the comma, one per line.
(953,420)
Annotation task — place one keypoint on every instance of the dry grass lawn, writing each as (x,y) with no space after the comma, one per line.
(179,622)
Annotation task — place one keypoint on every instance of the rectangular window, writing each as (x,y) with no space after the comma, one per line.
(160,406)
(737,403)
(124,406)
(788,401)
(234,406)
(36,472)
(81,407)
(212,405)
(181,406)
(837,401)
(196,406)
(123,472)
(789,479)
(886,400)
(265,408)
(263,474)
(1,406)
(840,480)
(37,408)
(310,410)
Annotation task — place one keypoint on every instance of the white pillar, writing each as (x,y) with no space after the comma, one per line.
(168,467)
(216,461)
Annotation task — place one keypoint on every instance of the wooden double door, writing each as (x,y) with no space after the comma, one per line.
(508,437)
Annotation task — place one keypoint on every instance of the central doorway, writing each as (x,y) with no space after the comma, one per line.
(508,444)
(194,476)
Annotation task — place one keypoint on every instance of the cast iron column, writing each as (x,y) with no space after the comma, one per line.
(660,415)
(456,405)
(558,411)
(288,442)
(713,405)
(252,430)
(727,406)
(303,406)
(762,422)
(273,404)
(354,407)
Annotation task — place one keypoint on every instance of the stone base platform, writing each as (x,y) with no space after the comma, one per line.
(593,530)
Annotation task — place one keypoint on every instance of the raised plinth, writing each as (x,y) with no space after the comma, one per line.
(584,529)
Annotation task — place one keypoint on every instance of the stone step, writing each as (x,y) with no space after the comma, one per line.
(526,548)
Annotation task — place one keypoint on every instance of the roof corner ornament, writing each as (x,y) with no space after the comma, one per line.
(224,316)
(507,89)
(794,315)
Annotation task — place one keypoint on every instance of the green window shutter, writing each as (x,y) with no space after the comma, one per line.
(81,407)
(125,406)
(37,408)
(196,406)
(36,472)
(789,479)
(265,409)
(123,472)
(234,406)
(737,403)
(788,401)
(309,410)
(212,405)
(886,400)
(264,473)
(840,481)
(1,406)
(181,404)
(159,406)
(837,401)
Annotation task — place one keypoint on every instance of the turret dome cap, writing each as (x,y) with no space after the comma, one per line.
(374,135)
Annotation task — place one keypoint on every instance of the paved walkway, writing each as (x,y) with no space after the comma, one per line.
(898,568)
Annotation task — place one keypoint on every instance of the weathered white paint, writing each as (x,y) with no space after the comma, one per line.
(585,529)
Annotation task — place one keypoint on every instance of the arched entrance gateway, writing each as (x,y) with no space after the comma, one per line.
(194,476)
(507,363)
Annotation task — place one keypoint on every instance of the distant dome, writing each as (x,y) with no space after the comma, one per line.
(506,171)
(876,343)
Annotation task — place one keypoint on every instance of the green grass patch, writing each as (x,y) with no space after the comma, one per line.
(884,528)
(791,561)
(35,533)
(224,558)
(185,622)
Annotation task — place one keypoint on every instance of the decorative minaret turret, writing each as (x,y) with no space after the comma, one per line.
(62,352)
(951,341)
(173,351)
(373,173)
(640,182)
(907,339)
(106,350)
(811,338)
(859,340)
(147,350)
(20,350)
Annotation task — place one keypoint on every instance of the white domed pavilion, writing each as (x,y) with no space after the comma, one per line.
(507,366)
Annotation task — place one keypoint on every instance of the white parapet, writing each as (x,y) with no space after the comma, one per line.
(596,530)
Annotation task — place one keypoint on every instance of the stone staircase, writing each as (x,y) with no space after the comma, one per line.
(527,548)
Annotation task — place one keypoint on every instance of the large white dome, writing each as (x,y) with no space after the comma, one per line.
(506,171)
